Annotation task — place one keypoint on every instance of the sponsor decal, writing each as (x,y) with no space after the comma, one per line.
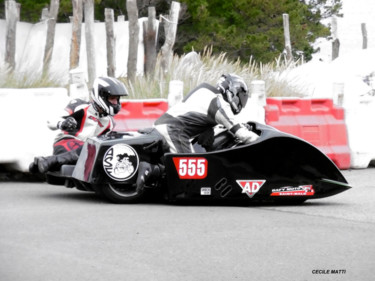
(302,190)
(250,187)
(191,167)
(205,190)
(120,162)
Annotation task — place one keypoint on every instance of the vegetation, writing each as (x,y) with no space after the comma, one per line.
(192,69)
(29,79)
(253,28)
(241,36)
(240,28)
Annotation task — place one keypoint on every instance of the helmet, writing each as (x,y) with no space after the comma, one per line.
(103,88)
(234,90)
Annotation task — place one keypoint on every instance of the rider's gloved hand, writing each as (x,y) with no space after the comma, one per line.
(251,137)
(245,135)
(69,124)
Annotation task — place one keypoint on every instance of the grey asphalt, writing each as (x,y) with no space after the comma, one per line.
(54,233)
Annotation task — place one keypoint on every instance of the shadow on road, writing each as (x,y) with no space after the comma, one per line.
(84,197)
(91,197)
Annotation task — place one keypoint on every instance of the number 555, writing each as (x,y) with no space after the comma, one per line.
(191,167)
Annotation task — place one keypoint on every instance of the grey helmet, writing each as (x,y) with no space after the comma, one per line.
(103,88)
(234,90)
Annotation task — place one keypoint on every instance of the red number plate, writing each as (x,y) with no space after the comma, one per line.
(191,167)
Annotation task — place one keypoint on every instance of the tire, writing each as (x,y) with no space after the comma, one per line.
(119,193)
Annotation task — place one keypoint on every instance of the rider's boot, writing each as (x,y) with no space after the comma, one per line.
(54,162)
(146,171)
(33,167)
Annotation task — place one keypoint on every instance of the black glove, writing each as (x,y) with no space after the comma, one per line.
(69,124)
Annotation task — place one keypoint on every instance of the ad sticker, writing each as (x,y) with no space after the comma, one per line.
(250,187)
(302,190)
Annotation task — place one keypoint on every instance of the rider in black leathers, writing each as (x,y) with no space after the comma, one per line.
(202,109)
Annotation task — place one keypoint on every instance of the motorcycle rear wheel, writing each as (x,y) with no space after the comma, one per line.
(119,193)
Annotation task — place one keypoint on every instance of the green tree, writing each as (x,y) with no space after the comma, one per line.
(31,10)
(240,28)
(253,28)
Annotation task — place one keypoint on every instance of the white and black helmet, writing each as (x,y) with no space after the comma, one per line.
(103,88)
(234,91)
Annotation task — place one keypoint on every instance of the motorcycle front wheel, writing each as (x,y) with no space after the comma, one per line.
(119,193)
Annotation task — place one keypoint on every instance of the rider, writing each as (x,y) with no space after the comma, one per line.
(202,109)
(85,120)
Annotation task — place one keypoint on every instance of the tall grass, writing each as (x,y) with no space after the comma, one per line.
(29,79)
(194,69)
(191,68)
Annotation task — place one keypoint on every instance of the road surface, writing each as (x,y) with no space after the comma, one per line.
(55,233)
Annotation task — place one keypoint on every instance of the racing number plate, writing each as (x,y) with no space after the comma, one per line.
(191,167)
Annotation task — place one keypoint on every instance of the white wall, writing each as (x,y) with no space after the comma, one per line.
(31,39)
(355,12)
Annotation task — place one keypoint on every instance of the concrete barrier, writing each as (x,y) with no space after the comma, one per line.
(360,118)
(24,133)
(254,109)
(348,141)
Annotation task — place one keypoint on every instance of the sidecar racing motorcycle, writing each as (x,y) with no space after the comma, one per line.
(277,167)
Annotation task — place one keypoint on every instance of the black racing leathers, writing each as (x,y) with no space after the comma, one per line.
(203,108)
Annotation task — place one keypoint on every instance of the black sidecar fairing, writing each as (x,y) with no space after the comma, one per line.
(95,165)
(276,167)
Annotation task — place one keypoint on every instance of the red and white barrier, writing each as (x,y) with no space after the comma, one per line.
(139,114)
(317,121)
